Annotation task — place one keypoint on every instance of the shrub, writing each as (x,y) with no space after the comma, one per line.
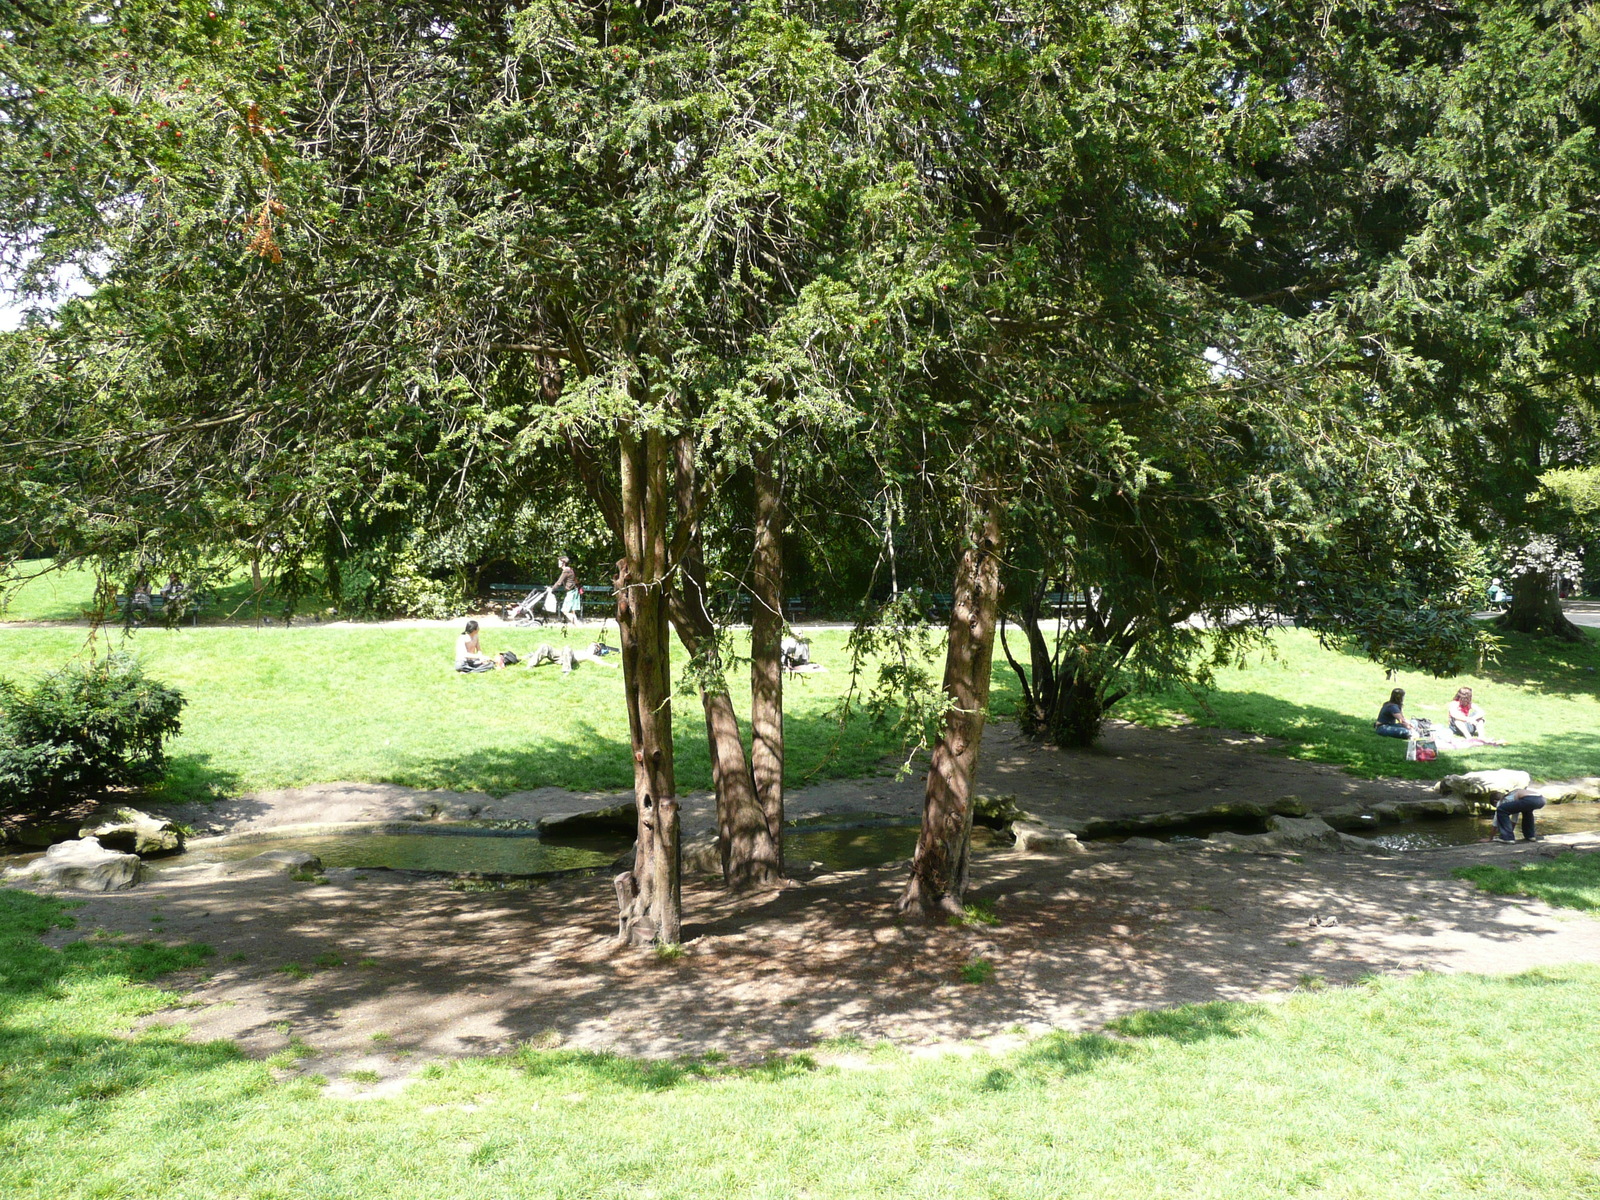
(90,725)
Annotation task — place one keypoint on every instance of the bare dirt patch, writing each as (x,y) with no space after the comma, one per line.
(382,971)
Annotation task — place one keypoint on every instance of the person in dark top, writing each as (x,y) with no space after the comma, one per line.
(1523,802)
(572,602)
(1392,720)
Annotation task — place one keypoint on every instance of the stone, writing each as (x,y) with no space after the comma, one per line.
(134,832)
(701,858)
(1036,837)
(1144,843)
(1236,810)
(998,811)
(1485,785)
(44,833)
(619,818)
(1301,833)
(1447,806)
(1347,816)
(1360,845)
(280,862)
(84,864)
(1290,806)
(1567,790)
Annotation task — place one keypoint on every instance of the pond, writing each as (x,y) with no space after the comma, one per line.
(447,850)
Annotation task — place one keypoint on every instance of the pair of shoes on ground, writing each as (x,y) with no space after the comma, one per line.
(1509,840)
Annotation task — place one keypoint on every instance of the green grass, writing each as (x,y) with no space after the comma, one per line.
(1570,881)
(1541,696)
(1394,1089)
(276,707)
(34,593)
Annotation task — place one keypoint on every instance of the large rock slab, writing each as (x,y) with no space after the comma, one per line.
(1567,790)
(1037,837)
(1485,785)
(85,865)
(133,832)
(618,818)
(279,862)
(1302,833)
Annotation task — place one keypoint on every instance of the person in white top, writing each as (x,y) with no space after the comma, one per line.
(1466,718)
(470,656)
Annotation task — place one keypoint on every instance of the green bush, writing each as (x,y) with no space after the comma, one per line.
(90,725)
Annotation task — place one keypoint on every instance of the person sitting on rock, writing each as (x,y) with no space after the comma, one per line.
(1523,802)
(1392,720)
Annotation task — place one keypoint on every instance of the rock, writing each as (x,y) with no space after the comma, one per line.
(1290,806)
(1568,790)
(1448,806)
(1144,843)
(1360,845)
(1347,816)
(1301,833)
(997,811)
(1485,785)
(1389,810)
(701,858)
(1236,810)
(44,833)
(281,862)
(85,865)
(1036,837)
(619,818)
(134,832)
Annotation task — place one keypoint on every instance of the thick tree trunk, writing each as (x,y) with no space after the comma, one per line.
(742,838)
(1536,608)
(649,898)
(766,663)
(939,868)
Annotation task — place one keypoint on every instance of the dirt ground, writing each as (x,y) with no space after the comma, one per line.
(383,971)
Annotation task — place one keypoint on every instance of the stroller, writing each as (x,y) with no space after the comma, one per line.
(538,607)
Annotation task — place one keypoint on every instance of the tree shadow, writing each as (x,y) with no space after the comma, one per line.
(48,1067)
(1190,1023)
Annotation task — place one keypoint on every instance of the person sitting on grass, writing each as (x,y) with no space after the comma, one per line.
(1467,719)
(1392,720)
(1523,802)
(569,658)
(470,657)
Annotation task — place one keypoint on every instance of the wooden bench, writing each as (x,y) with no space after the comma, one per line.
(941,605)
(795,607)
(597,598)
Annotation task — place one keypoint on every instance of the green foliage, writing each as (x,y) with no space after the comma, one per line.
(1571,881)
(977,970)
(94,724)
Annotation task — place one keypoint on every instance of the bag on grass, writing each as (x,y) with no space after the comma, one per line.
(509,658)
(1421,750)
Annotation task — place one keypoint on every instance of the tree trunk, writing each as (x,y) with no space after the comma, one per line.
(649,897)
(742,837)
(1536,608)
(939,868)
(766,664)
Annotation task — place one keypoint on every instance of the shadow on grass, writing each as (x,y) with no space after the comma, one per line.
(653,1075)
(1570,881)
(196,778)
(52,1060)
(1554,667)
(1192,1023)
(1334,736)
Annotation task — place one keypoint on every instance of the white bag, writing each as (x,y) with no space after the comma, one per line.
(550,600)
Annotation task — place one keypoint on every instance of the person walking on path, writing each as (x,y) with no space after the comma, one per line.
(572,601)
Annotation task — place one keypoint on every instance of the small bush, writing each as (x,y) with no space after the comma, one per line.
(88,726)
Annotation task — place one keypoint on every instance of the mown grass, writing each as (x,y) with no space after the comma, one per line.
(37,592)
(275,707)
(1395,1089)
(1570,881)
(1541,696)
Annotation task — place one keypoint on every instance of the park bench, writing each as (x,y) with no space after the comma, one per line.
(1064,604)
(598,599)
(188,607)
(796,607)
(941,605)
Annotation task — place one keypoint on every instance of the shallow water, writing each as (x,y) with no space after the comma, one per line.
(1463,831)
(848,849)
(453,852)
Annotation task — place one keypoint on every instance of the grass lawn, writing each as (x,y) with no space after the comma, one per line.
(278,707)
(1435,1086)
(1571,881)
(68,595)
(1542,696)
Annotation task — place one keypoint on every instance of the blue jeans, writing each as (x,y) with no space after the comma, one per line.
(1399,731)
(1505,816)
